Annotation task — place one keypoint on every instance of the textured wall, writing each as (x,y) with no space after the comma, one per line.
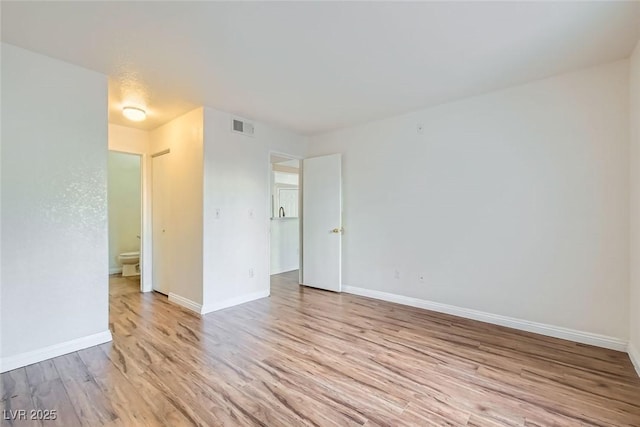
(54,202)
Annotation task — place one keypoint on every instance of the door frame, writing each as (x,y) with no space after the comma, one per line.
(269,212)
(145,218)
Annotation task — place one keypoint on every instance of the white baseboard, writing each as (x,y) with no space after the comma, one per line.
(35,356)
(634,355)
(510,322)
(235,301)
(115,270)
(185,302)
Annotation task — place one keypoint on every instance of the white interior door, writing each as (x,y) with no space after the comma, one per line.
(160,215)
(322,222)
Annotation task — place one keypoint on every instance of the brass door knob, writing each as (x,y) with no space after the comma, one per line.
(337,230)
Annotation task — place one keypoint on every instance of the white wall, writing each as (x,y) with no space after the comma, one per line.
(513,203)
(236,182)
(285,245)
(634,347)
(124,196)
(184,137)
(54,208)
(130,140)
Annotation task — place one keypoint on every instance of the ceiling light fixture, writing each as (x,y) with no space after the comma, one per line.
(134,113)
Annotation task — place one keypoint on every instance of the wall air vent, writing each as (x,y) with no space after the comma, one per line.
(242,126)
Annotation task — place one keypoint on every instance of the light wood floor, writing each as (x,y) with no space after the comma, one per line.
(307,357)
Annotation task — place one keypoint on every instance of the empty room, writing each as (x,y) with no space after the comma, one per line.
(320,213)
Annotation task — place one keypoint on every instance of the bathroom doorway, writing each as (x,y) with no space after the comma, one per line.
(124,183)
(284,242)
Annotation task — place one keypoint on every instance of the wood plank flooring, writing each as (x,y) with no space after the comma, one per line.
(308,357)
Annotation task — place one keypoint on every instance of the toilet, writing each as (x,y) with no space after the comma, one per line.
(130,263)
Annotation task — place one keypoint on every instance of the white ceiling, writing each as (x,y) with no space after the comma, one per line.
(313,67)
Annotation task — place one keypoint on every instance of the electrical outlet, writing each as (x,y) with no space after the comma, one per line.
(396,274)
(421,278)
(251,273)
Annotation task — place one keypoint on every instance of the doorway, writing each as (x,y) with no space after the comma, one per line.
(124,186)
(306,220)
(285,225)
